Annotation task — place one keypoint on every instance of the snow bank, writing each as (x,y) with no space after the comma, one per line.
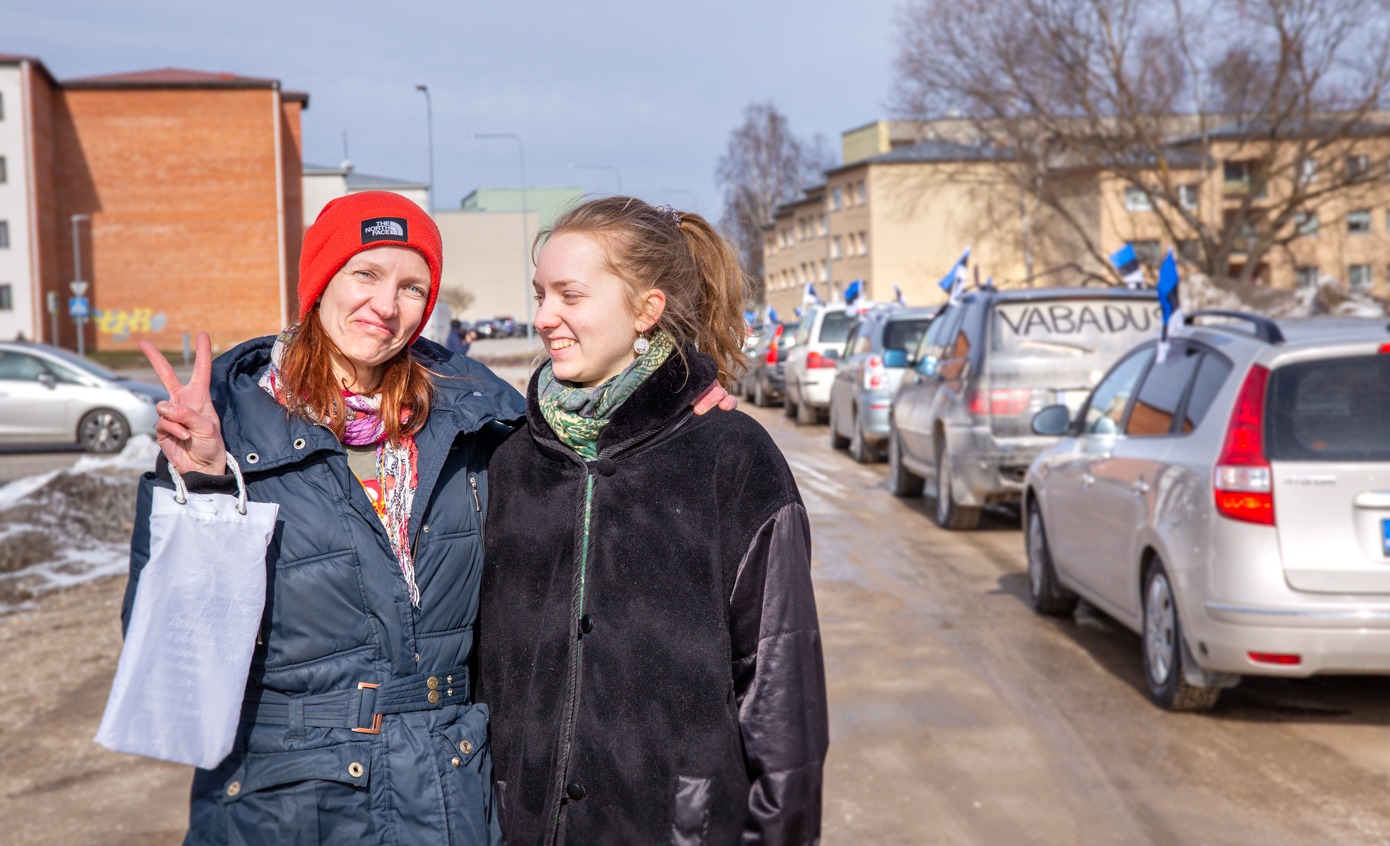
(1329,298)
(58,529)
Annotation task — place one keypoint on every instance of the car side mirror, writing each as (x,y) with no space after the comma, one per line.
(1052,421)
(895,358)
(927,366)
(48,380)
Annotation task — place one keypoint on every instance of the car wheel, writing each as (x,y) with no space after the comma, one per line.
(861,450)
(788,407)
(950,514)
(1163,652)
(1045,595)
(806,415)
(837,441)
(901,481)
(103,430)
(759,398)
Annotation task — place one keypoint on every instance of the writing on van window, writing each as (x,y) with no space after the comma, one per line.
(1079,319)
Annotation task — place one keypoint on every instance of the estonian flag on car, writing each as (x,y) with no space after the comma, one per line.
(954,281)
(1128,264)
(810,297)
(1168,301)
(899,296)
(772,315)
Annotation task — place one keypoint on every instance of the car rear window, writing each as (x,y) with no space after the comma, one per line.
(835,328)
(1210,377)
(905,334)
(1331,409)
(1072,328)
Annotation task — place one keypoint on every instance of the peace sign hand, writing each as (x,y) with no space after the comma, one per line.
(189,430)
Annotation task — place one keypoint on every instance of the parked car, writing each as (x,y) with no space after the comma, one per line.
(960,420)
(765,382)
(743,384)
(1230,502)
(49,395)
(487,328)
(810,367)
(869,371)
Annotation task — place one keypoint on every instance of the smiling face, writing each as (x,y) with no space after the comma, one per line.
(584,311)
(371,307)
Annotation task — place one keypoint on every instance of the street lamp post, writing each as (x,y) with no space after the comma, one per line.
(429,129)
(617,174)
(79,287)
(525,229)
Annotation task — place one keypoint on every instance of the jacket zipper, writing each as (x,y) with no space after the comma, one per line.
(478,504)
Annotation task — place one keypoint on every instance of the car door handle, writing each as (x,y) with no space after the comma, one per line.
(1140,486)
(1087,479)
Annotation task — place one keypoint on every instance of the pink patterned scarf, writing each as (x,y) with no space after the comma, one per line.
(393,492)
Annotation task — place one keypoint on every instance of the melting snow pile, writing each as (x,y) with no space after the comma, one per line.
(70,526)
(1329,299)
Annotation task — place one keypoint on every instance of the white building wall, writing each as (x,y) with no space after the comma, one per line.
(17,260)
(319,189)
(483,254)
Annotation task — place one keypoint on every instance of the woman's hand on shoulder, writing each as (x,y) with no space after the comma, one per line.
(715,395)
(189,431)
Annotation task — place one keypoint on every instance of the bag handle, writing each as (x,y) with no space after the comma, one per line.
(181,487)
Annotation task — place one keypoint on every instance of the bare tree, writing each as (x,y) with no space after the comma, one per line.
(764,166)
(1280,94)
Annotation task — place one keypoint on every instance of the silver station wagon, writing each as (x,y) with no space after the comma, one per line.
(1229,501)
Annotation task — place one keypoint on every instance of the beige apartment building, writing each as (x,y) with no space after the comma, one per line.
(912,195)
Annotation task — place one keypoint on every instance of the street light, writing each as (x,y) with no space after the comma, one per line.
(429,129)
(617,174)
(525,230)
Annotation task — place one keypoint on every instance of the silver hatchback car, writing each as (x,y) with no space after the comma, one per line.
(49,395)
(1229,502)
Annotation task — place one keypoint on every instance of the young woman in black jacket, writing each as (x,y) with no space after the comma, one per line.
(648,637)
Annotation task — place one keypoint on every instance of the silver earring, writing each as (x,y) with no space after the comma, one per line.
(641,345)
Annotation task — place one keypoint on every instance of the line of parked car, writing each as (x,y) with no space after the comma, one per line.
(495,327)
(1225,494)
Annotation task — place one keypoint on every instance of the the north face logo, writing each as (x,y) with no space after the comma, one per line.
(384,229)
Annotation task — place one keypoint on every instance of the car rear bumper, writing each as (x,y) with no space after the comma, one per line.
(1340,641)
(814,387)
(774,381)
(874,411)
(988,470)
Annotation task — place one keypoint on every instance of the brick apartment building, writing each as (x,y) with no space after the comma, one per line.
(184,189)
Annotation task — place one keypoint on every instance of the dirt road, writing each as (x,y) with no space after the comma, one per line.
(957,716)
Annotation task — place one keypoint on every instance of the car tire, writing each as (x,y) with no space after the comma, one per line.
(1045,594)
(837,441)
(806,415)
(949,513)
(788,407)
(103,431)
(759,397)
(1162,649)
(860,449)
(901,481)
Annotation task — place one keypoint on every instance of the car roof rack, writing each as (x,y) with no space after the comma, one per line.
(1265,329)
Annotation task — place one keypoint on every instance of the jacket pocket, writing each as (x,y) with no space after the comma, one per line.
(464,759)
(304,797)
(691,822)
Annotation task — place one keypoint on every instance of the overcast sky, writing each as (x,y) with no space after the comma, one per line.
(650,87)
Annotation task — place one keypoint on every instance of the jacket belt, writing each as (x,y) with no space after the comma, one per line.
(360,709)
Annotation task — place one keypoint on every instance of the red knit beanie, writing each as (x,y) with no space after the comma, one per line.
(357,222)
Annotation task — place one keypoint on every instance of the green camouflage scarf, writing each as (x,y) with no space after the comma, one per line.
(578,415)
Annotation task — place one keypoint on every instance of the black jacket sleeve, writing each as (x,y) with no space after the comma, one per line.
(779,681)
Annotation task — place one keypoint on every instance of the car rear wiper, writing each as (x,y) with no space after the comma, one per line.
(1058,345)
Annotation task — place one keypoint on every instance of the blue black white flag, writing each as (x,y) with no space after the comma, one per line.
(953,283)
(750,317)
(899,296)
(1168,301)
(1128,264)
(810,297)
(772,315)
(853,292)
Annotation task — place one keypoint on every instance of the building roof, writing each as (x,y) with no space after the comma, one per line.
(1258,129)
(15,58)
(181,78)
(933,150)
(367,182)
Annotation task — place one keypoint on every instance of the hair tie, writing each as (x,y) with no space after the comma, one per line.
(669,211)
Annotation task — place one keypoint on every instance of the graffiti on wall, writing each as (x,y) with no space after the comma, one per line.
(119,323)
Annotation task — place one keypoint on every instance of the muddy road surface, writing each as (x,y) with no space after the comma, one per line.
(957,715)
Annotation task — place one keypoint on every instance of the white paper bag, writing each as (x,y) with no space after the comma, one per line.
(179,685)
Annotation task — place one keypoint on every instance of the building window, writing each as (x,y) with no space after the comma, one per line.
(1307,277)
(6,298)
(4,234)
(1308,171)
(836,247)
(863,193)
(1359,222)
(2,106)
(1243,178)
(1359,276)
(825,270)
(1190,250)
(853,244)
(1188,194)
(835,199)
(1358,167)
(1149,253)
(3,176)
(863,243)
(1306,223)
(1137,199)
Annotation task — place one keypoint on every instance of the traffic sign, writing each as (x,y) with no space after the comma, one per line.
(78,288)
(52,302)
(77,306)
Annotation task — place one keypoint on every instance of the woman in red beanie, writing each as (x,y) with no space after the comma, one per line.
(358,723)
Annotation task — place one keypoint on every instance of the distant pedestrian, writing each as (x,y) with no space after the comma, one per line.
(454,342)
(649,645)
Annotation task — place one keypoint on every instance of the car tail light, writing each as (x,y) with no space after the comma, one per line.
(1385,348)
(815,360)
(1242,482)
(875,374)
(772,347)
(1001,402)
(1275,658)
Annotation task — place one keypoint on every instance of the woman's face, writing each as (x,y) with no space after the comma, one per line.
(584,313)
(375,303)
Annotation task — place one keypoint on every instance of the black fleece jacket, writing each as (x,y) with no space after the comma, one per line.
(648,642)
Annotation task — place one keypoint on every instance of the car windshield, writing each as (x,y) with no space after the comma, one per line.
(1331,409)
(835,328)
(82,363)
(1065,343)
(904,334)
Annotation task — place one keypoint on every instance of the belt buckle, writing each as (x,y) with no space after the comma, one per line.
(376,718)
